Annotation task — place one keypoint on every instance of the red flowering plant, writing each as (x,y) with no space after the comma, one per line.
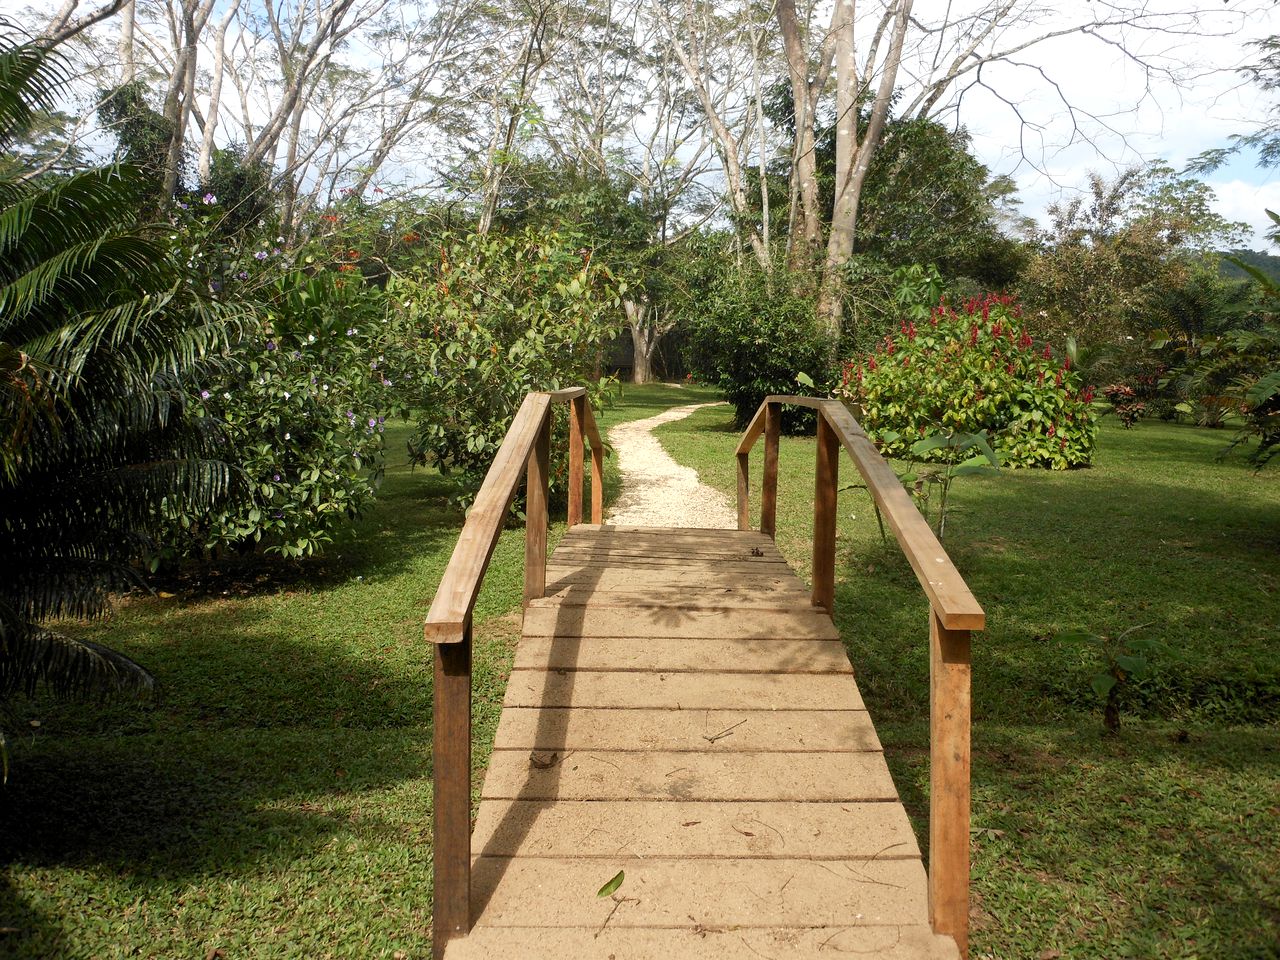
(970,369)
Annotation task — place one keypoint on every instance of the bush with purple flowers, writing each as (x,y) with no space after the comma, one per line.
(302,405)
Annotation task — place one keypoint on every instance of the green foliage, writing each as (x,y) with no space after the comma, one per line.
(494,318)
(244,192)
(142,133)
(946,457)
(1109,256)
(750,335)
(99,324)
(302,407)
(1123,662)
(969,371)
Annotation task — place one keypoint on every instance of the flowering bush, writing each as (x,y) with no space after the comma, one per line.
(302,404)
(969,370)
(493,318)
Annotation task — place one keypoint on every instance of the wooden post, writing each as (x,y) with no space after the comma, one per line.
(576,419)
(535,515)
(744,492)
(451,790)
(949,699)
(597,484)
(824,516)
(769,486)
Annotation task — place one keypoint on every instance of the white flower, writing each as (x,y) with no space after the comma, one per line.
(287,437)
(287,394)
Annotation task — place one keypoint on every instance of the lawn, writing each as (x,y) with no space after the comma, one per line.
(275,801)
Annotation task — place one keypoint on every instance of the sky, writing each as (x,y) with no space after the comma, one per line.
(1173,123)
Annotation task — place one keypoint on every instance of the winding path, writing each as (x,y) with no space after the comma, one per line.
(657,491)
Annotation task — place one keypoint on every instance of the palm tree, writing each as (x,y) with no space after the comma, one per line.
(100,329)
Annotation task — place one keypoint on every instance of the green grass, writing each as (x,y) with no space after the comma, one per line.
(1159,842)
(276,800)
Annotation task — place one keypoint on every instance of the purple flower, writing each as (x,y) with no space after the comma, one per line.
(271,344)
(209,199)
(183,206)
(382,420)
(351,331)
(204,394)
(260,255)
(243,275)
(373,422)
(215,286)
(275,477)
(279,514)
(275,251)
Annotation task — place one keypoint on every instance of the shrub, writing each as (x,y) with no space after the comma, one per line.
(495,317)
(972,370)
(301,404)
(750,336)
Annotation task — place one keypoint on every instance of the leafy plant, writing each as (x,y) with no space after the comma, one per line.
(495,317)
(302,406)
(750,335)
(1124,661)
(974,370)
(954,455)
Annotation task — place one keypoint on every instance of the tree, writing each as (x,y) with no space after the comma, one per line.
(98,327)
(1265,73)
(946,51)
(1107,256)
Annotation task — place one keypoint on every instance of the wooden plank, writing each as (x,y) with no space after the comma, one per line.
(709,582)
(535,514)
(814,403)
(719,731)
(765,893)
(597,466)
(949,709)
(702,942)
(680,829)
(451,791)
(683,691)
(826,476)
(669,654)
(568,393)
(700,533)
(576,446)
(756,427)
(942,583)
(744,492)
(780,597)
(673,622)
(694,569)
(656,775)
(737,540)
(602,555)
(456,596)
(769,483)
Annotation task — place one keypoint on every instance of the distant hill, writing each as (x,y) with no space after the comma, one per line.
(1266,262)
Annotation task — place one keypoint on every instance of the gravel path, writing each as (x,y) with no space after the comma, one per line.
(657,491)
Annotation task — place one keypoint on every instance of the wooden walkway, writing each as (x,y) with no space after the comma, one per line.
(682,711)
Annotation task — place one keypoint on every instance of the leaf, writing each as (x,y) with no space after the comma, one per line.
(804,380)
(933,442)
(1102,683)
(1134,666)
(612,885)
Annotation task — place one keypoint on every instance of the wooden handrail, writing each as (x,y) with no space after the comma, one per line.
(524,452)
(953,613)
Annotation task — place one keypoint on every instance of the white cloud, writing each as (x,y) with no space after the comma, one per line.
(1246,202)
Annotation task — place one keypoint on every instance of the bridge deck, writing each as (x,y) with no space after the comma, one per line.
(679,711)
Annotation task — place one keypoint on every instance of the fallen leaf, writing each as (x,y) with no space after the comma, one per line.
(543,761)
(612,885)
(690,823)
(1050,954)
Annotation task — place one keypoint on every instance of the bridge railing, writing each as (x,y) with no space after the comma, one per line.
(953,614)
(524,454)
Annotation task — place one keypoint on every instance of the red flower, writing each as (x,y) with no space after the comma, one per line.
(871,363)
(1008,368)
(1053,430)
(1047,352)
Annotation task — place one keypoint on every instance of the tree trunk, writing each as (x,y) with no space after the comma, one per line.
(643,340)
(128,64)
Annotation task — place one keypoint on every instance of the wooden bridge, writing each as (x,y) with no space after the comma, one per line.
(682,715)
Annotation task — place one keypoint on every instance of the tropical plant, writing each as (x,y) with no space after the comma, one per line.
(98,327)
(495,317)
(1123,662)
(939,459)
(974,370)
(750,335)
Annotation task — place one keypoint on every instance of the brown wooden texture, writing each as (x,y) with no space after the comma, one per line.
(722,758)
(949,708)
(824,517)
(451,791)
(456,596)
(535,515)
(597,465)
(744,493)
(769,483)
(577,414)
(947,592)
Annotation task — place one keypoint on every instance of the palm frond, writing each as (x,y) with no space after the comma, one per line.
(31,78)
(34,657)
